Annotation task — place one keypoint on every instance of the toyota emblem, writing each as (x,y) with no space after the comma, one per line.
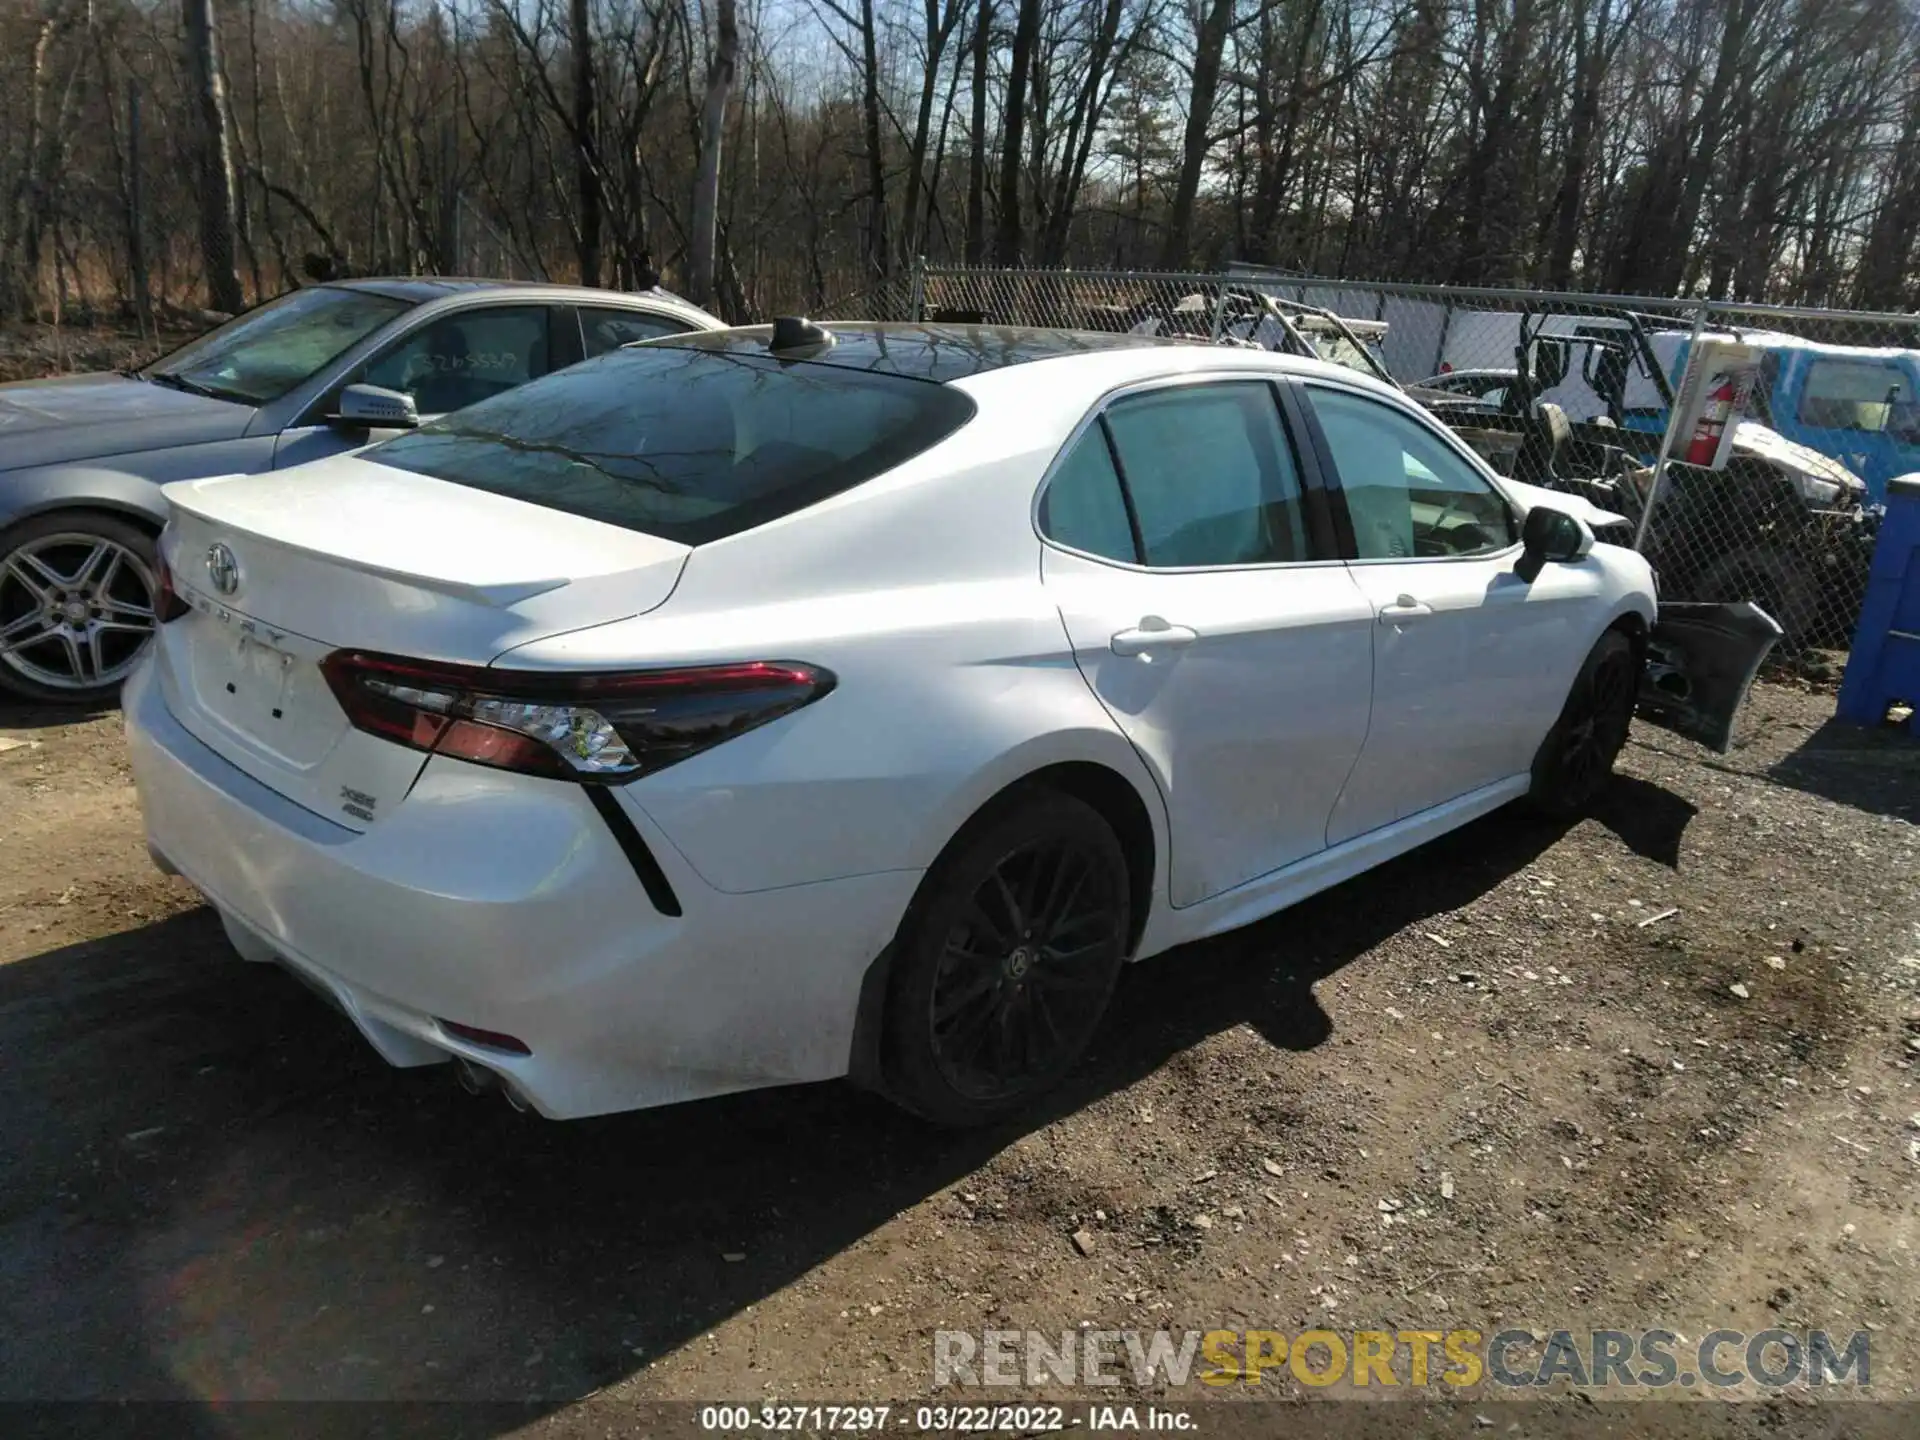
(222,568)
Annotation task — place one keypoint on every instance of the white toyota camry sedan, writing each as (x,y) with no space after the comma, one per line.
(777,704)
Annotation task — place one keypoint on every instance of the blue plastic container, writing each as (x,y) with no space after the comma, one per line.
(1884,668)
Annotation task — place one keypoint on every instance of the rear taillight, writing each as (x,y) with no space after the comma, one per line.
(167,604)
(606,727)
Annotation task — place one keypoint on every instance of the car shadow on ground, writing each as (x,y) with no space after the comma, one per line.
(215,1190)
(1872,768)
(24,716)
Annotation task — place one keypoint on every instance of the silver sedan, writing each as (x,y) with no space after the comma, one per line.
(321,370)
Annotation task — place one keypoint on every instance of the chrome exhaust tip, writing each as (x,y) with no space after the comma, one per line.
(474,1079)
(514,1098)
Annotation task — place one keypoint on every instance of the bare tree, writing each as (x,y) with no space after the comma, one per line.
(30,204)
(1751,148)
(219,237)
(863,53)
(1599,29)
(939,20)
(1886,268)
(1026,32)
(1210,39)
(706,185)
(976,235)
(586,171)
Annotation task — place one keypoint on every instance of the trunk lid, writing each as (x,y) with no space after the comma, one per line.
(282,570)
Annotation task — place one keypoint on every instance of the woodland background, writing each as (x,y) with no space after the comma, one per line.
(769,154)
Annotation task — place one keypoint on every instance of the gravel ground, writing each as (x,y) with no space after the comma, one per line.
(1652,1069)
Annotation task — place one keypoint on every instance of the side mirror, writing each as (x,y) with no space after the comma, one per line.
(1549,534)
(374,407)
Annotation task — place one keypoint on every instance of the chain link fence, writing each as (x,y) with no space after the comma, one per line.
(1788,521)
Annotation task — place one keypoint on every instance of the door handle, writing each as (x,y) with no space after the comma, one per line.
(1152,633)
(1404,607)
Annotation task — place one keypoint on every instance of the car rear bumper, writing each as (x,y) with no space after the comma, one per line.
(506,903)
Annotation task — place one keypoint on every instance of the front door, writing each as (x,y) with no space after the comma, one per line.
(1194,572)
(446,364)
(1470,663)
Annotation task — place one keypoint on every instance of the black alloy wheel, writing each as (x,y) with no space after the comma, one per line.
(1019,966)
(1577,758)
(1007,960)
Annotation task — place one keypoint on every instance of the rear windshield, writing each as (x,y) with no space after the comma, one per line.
(690,445)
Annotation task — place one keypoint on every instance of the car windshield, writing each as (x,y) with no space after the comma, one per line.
(261,355)
(1337,349)
(687,444)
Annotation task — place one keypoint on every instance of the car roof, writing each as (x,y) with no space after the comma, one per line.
(980,359)
(1779,340)
(925,350)
(945,353)
(420,289)
(1074,380)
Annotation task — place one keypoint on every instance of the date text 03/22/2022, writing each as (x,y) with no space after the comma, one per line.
(939,1419)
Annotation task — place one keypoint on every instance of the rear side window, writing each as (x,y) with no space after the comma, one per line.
(1186,477)
(1083,508)
(689,445)
(603,330)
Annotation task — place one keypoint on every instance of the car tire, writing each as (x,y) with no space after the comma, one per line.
(1576,759)
(1006,960)
(86,578)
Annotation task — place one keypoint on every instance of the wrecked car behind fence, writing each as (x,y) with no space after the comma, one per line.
(1741,533)
(1572,392)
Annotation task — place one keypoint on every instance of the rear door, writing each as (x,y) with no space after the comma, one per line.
(1470,663)
(451,361)
(1194,567)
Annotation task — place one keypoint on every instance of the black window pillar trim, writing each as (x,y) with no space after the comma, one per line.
(634,846)
(566,344)
(1126,490)
(1327,502)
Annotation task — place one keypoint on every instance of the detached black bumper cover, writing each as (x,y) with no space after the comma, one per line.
(1701,661)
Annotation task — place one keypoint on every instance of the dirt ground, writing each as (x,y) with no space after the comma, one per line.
(1505,1081)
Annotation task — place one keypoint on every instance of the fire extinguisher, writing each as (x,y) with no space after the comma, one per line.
(1715,416)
